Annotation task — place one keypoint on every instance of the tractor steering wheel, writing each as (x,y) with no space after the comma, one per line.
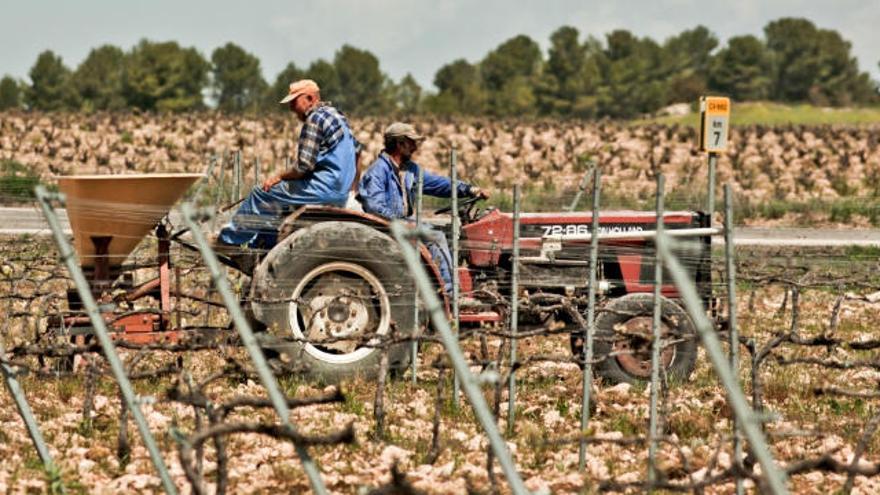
(465,208)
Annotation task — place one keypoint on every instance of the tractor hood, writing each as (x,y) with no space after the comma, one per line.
(491,235)
(119,208)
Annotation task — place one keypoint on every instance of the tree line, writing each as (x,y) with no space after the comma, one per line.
(621,76)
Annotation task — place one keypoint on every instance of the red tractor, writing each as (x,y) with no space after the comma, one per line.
(335,287)
(336,284)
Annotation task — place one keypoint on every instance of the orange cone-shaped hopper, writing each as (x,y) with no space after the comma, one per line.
(123,208)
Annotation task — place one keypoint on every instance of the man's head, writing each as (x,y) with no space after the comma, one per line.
(402,140)
(302,96)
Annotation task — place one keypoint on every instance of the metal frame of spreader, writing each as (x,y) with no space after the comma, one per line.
(90,199)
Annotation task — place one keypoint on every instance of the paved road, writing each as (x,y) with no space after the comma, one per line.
(24,220)
(30,221)
(27,221)
(763,236)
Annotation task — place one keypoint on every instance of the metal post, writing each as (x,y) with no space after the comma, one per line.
(591,320)
(68,256)
(221,193)
(514,312)
(585,181)
(710,206)
(27,415)
(237,176)
(456,225)
(450,342)
(257,172)
(733,332)
(657,342)
(420,185)
(221,183)
(250,342)
(748,421)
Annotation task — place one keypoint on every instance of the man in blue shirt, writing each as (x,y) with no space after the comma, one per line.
(322,173)
(387,188)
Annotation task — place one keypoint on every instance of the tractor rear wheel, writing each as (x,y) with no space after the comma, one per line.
(624,339)
(332,296)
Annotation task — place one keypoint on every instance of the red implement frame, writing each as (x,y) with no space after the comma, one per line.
(136,327)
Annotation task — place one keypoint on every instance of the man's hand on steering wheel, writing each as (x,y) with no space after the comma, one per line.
(463,205)
(477,192)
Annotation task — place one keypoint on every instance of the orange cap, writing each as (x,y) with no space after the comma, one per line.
(301,87)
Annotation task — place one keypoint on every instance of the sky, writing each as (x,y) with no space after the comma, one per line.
(408,36)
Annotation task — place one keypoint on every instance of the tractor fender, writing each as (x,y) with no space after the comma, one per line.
(306,216)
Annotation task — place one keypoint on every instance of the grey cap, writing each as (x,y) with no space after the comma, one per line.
(402,129)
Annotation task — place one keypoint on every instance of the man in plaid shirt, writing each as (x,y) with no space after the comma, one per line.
(323,172)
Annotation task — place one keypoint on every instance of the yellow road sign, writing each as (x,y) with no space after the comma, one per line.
(714,123)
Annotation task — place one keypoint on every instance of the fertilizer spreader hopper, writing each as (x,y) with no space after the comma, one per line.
(109,216)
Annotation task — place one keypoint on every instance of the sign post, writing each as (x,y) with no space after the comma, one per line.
(714,130)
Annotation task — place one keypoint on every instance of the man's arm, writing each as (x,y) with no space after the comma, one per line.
(441,187)
(307,153)
(309,144)
(291,174)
